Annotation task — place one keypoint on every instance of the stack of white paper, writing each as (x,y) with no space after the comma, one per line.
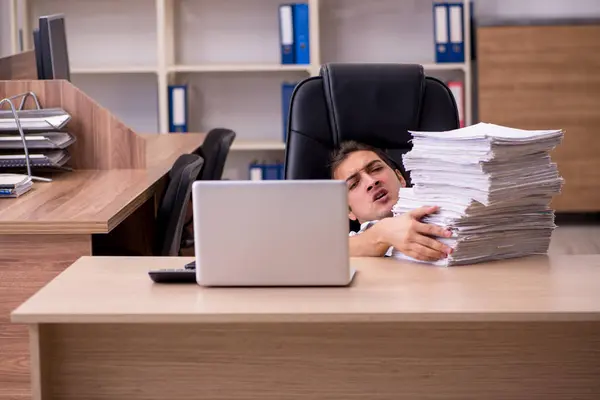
(14,185)
(493,185)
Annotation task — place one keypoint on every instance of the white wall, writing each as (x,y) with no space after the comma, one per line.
(5,49)
(537,9)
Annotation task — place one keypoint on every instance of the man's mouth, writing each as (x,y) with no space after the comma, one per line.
(381,194)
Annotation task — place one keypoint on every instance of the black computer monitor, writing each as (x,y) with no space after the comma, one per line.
(50,42)
(38,54)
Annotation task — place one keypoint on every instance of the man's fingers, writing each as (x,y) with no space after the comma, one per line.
(426,253)
(420,212)
(421,256)
(432,244)
(432,230)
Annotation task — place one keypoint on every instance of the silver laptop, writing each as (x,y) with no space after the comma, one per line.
(271,233)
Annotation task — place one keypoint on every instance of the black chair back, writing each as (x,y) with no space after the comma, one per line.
(214,151)
(376,104)
(173,205)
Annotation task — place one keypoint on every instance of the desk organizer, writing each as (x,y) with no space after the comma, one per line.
(38,129)
(102,141)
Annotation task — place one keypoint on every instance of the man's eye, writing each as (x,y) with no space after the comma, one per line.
(352,185)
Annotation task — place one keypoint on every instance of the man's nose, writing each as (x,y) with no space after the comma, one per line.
(372,184)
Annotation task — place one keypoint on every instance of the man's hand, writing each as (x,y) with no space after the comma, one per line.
(407,234)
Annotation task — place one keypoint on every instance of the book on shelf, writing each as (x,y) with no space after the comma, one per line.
(458,91)
(178,108)
(294,33)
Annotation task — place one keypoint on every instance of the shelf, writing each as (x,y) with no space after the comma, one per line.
(114,70)
(445,66)
(257,145)
(228,54)
(239,68)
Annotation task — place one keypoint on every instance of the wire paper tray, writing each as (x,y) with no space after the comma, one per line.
(17,119)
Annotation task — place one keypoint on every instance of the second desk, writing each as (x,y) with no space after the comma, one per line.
(47,229)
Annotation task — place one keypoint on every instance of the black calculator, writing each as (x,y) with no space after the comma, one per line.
(187,274)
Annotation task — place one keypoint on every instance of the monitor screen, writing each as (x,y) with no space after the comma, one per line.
(53,43)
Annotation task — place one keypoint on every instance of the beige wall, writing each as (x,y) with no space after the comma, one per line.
(5,49)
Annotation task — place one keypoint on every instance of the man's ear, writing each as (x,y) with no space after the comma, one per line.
(351,215)
(400,178)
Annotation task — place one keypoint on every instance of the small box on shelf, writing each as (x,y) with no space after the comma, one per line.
(265,171)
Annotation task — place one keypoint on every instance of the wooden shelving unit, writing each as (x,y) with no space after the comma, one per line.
(113,70)
(258,145)
(126,53)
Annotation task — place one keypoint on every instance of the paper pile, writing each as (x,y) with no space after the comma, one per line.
(493,185)
(14,185)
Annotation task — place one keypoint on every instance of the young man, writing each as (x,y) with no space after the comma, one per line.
(374,183)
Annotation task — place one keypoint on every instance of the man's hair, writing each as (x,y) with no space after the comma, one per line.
(350,146)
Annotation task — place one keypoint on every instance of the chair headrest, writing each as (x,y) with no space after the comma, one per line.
(373,103)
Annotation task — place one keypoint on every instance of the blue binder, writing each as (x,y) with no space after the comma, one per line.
(178,108)
(287,89)
(265,171)
(441,32)
(301,33)
(456,26)
(286,34)
(279,166)
(270,172)
(255,171)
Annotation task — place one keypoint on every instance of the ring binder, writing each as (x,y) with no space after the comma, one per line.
(17,121)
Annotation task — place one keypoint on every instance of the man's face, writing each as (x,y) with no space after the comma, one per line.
(372,185)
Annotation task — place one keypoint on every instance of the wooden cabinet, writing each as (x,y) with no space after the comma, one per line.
(547,76)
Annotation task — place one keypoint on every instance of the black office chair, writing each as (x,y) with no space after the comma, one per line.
(376,104)
(173,206)
(215,150)
(371,103)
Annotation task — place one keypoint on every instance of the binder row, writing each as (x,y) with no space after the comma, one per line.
(294,34)
(178,107)
(449,32)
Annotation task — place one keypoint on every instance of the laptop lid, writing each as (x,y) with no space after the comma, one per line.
(279,232)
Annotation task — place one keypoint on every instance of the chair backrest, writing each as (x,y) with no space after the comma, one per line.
(214,151)
(173,205)
(376,104)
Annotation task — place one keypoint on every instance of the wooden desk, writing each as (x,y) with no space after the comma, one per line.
(526,328)
(93,201)
(79,213)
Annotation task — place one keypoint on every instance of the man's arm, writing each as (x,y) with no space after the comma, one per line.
(369,243)
(406,234)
